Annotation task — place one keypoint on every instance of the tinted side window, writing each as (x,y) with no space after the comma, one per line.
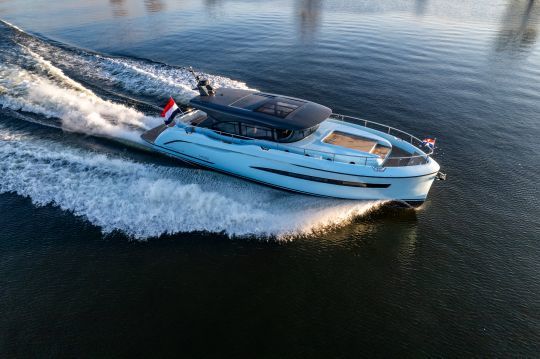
(227,127)
(283,135)
(257,132)
(296,135)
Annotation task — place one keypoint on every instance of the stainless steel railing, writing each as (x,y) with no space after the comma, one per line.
(412,160)
(415,141)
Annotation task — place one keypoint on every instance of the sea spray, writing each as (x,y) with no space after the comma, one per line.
(115,193)
(147,200)
(79,111)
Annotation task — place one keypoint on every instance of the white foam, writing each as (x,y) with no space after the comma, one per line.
(78,109)
(36,84)
(135,76)
(141,200)
(157,80)
(12,26)
(145,200)
(52,71)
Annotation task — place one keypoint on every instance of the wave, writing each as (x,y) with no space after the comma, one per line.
(33,79)
(14,27)
(78,110)
(136,76)
(53,82)
(147,200)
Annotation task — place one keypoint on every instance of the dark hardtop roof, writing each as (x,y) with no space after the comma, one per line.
(269,110)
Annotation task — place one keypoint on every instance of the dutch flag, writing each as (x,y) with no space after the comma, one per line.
(429,142)
(169,111)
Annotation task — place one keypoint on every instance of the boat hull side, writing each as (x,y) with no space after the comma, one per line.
(295,172)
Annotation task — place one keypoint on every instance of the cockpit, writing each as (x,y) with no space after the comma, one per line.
(200,118)
(258,115)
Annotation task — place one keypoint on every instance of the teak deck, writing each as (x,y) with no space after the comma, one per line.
(353,142)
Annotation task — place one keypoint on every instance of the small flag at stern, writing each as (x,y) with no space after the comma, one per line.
(169,111)
(429,142)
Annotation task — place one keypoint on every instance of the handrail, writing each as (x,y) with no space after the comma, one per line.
(389,129)
(331,156)
(402,135)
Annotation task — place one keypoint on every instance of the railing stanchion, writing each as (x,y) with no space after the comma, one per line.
(400,161)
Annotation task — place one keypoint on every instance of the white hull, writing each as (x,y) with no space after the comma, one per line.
(312,175)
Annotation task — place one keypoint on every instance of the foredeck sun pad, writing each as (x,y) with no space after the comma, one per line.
(347,140)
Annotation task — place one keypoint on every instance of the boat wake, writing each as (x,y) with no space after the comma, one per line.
(60,85)
(41,77)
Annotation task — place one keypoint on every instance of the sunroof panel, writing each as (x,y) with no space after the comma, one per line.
(250,101)
(280,107)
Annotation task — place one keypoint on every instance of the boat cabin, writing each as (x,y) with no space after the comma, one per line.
(258,115)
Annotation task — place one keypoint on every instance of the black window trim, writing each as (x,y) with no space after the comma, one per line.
(322,179)
(296,135)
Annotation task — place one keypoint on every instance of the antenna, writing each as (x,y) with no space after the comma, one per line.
(190,69)
(204,87)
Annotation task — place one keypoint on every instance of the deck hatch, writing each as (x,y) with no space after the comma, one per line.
(251,100)
(280,107)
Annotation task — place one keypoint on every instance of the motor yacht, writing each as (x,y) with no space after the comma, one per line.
(297,145)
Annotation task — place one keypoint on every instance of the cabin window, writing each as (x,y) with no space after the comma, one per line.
(283,135)
(279,108)
(227,127)
(293,136)
(262,133)
(309,131)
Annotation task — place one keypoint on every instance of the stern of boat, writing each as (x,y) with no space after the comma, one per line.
(150,136)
